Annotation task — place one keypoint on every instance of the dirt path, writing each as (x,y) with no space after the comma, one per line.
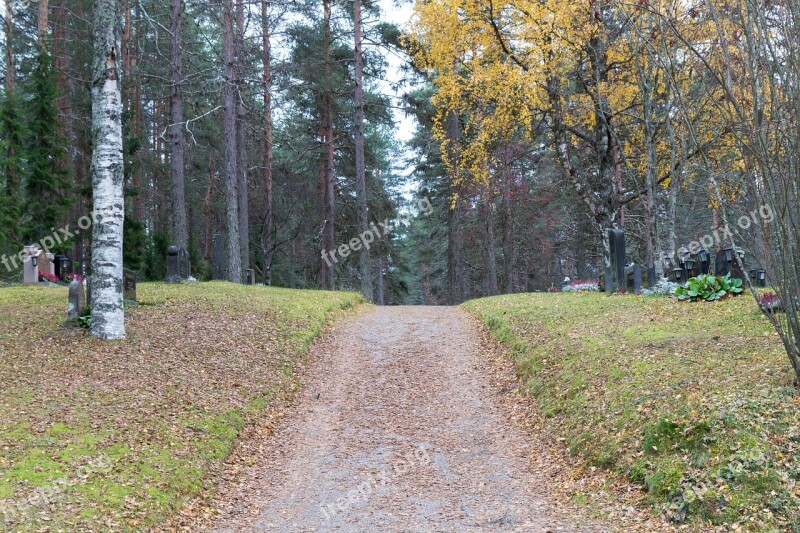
(397,431)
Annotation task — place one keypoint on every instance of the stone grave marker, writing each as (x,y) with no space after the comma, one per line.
(129,278)
(616,241)
(184,266)
(633,278)
(173,265)
(77,300)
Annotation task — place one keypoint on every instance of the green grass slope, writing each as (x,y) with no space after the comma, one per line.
(116,435)
(693,401)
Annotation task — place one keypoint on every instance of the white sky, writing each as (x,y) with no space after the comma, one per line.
(400,15)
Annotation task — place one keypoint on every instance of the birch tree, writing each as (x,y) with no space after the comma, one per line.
(108,316)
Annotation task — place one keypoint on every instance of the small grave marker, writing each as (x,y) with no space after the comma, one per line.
(129,278)
(173,265)
(77,300)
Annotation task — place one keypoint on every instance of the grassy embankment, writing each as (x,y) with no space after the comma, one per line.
(693,401)
(116,435)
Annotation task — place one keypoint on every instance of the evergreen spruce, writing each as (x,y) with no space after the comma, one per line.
(47,185)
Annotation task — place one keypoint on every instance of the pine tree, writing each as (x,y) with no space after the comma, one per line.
(11,150)
(47,183)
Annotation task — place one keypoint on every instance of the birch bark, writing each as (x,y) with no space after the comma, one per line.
(108,316)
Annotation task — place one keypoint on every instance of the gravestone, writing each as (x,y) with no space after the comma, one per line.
(77,300)
(633,278)
(30,273)
(173,265)
(184,266)
(651,277)
(129,278)
(616,241)
(218,266)
(721,265)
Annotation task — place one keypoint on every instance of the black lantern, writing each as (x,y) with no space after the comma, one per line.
(702,255)
(35,260)
(689,264)
(64,266)
(678,271)
(762,277)
(728,254)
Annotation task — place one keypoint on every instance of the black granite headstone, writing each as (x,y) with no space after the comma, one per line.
(129,278)
(173,265)
(616,241)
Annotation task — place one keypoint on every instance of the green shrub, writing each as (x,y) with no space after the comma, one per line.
(709,288)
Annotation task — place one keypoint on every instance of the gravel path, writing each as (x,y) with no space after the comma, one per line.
(397,430)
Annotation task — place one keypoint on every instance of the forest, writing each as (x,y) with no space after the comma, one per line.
(538,126)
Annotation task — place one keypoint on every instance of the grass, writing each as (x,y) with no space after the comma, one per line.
(117,435)
(692,401)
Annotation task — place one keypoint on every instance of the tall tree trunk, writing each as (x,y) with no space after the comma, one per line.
(266,232)
(361,182)
(8,20)
(329,234)
(455,245)
(380,288)
(42,22)
(180,234)
(509,250)
(241,143)
(231,153)
(491,250)
(108,315)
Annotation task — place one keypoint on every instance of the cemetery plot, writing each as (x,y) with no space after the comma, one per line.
(121,433)
(692,403)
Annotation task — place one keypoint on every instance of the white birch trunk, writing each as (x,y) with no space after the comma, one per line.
(108,316)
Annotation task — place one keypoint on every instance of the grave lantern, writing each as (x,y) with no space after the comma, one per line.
(689,264)
(728,254)
(762,277)
(702,255)
(35,260)
(63,265)
(678,272)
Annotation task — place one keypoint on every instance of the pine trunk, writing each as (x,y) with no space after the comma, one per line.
(108,315)
(361,183)
(8,20)
(231,154)
(180,235)
(241,143)
(329,234)
(266,232)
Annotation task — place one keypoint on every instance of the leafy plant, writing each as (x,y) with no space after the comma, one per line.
(663,287)
(46,276)
(770,302)
(85,320)
(709,288)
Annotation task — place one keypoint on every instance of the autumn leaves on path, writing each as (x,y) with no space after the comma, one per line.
(397,429)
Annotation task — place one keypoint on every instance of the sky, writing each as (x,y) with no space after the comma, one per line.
(400,15)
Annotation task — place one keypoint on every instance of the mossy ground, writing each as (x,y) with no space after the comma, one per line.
(693,401)
(116,435)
